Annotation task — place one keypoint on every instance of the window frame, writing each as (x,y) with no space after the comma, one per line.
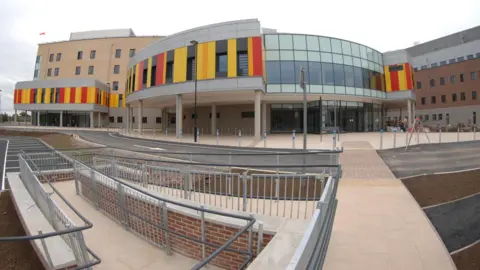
(93,54)
(118,53)
(91,70)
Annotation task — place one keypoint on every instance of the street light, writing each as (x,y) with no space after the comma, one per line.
(195,44)
(303,85)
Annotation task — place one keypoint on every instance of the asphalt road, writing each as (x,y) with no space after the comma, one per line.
(432,158)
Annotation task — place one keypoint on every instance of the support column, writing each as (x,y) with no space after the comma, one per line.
(61,118)
(214,119)
(264,116)
(15,117)
(38,118)
(127,118)
(258,99)
(179,115)
(99,120)
(91,119)
(25,120)
(409,109)
(140,116)
(414,112)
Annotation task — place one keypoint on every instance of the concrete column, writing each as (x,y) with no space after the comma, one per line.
(258,113)
(179,115)
(25,120)
(61,118)
(99,120)
(15,117)
(140,116)
(414,112)
(214,119)
(264,116)
(91,120)
(127,117)
(409,109)
(38,118)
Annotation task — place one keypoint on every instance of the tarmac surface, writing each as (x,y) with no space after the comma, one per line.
(432,158)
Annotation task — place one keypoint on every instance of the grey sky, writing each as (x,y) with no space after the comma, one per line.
(383,25)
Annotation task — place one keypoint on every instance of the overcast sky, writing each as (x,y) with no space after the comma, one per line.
(383,25)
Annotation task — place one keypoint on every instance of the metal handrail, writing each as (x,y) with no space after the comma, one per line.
(2,184)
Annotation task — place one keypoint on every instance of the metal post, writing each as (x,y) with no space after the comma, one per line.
(381,138)
(181,133)
(244,177)
(394,137)
(265,138)
(218,135)
(121,202)
(440,136)
(195,44)
(75,178)
(260,237)
(239,137)
(47,254)
(94,188)
(166,132)
(474,132)
(202,219)
(418,135)
(458,134)
(334,137)
(144,176)
(293,139)
(305,122)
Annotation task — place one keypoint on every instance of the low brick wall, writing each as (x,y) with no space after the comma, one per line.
(55,176)
(140,211)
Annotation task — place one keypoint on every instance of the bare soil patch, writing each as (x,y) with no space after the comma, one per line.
(468,259)
(55,140)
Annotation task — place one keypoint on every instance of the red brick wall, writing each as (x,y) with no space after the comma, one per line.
(55,176)
(141,211)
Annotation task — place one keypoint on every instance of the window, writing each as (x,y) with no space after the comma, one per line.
(473,76)
(339,74)
(79,55)
(35,73)
(440,116)
(42,100)
(434,65)
(423,101)
(133,119)
(426,117)
(248,114)
(91,70)
(419,85)
(474,95)
(434,117)
(92,54)
(52,95)
(462,96)
(433,100)
(111,119)
(477,55)
(442,63)
(118,53)
(49,72)
(131,53)
(444,98)
(395,68)
(242,62)
(158,120)
(57,71)
(38,59)
(144,120)
(442,80)
(115,86)
(470,57)
(210,115)
(193,116)
(78,70)
(119,119)
(50,58)
(454,97)
(474,116)
(453,79)
(452,61)
(221,63)
(116,69)
(462,79)
(59,57)
(169,72)
(432,82)
(190,69)
(424,67)
(460,59)
(120,101)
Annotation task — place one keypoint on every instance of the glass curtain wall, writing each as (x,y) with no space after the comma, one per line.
(69,119)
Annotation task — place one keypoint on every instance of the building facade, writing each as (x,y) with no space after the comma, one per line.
(234,77)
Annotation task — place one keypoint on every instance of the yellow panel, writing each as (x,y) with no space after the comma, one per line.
(78,95)
(124,98)
(232,58)
(201,65)
(38,98)
(22,96)
(48,92)
(388,81)
(117,98)
(66,95)
(90,95)
(180,65)
(250,56)
(149,72)
(402,79)
(137,71)
(211,60)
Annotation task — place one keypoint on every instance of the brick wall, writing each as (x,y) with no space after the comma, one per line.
(140,212)
(55,176)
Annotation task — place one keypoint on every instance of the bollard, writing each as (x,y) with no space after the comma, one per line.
(381,138)
(474,132)
(293,139)
(239,137)
(334,139)
(458,134)
(166,132)
(181,133)
(198,135)
(394,137)
(265,138)
(440,136)
(218,135)
(406,138)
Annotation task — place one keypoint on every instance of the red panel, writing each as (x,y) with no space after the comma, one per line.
(84,95)
(378,82)
(160,71)
(395,81)
(72,94)
(408,73)
(140,76)
(257,56)
(62,95)
(32,95)
(96,95)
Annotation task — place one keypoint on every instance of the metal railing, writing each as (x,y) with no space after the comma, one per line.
(62,225)
(123,208)
(4,169)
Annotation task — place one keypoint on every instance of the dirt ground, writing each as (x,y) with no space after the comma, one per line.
(14,255)
(56,140)
(468,259)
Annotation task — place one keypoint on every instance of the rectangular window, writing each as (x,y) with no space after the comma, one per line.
(477,55)
(193,116)
(210,115)
(52,96)
(426,117)
(145,74)
(473,76)
(79,55)
(118,53)
(91,70)
(35,73)
(191,68)
(433,100)
(119,119)
(111,119)
(38,59)
(35,95)
(144,120)
(133,119)
(440,117)
(78,70)
(131,53)
(434,117)
(221,63)
(116,69)
(444,98)
(115,85)
(49,72)
(470,57)
(424,67)
(452,61)
(57,71)
(158,120)
(419,85)
(93,54)
(463,96)
(442,63)
(453,79)
(462,79)
(454,97)
(423,101)
(474,95)
(442,80)
(434,65)
(50,58)
(42,100)
(395,68)
(242,64)
(120,101)
(432,82)
(248,114)
(460,59)
(169,72)
(153,75)
(59,57)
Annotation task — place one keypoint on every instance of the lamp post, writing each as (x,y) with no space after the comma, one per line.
(195,44)
(1,115)
(303,85)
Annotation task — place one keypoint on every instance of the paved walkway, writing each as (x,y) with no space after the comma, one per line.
(378,224)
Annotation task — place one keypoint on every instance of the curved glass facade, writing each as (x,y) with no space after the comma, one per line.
(332,66)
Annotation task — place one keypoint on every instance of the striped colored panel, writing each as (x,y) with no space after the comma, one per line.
(232,58)
(140,76)
(90,95)
(62,95)
(149,72)
(22,98)
(408,75)
(78,95)
(66,98)
(38,98)
(180,65)
(250,57)
(402,79)
(206,60)
(48,94)
(84,95)
(388,81)
(32,95)
(160,76)
(135,83)
(257,60)
(123,101)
